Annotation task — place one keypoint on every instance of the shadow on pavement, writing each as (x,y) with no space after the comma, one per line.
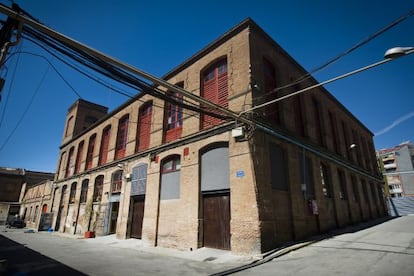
(294,245)
(17,259)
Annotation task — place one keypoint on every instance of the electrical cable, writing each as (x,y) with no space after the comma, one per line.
(341,55)
(9,90)
(26,110)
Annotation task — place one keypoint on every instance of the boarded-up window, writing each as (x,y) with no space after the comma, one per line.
(170,178)
(278,168)
(139,180)
(103,152)
(215,171)
(144,127)
(121,137)
(215,89)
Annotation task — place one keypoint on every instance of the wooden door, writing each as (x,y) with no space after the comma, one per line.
(114,217)
(216,220)
(137,217)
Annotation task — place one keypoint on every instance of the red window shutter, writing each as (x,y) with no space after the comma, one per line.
(89,155)
(69,162)
(121,139)
(144,127)
(103,155)
(215,89)
(272,110)
(79,157)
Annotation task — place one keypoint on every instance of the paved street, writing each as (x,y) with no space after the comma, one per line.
(384,249)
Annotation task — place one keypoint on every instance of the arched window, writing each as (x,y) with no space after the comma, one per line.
(69,164)
(98,188)
(271,111)
(116,182)
(173,117)
(62,195)
(84,190)
(69,126)
(103,152)
(144,127)
(89,154)
(35,213)
(215,89)
(139,180)
(170,177)
(79,157)
(121,137)
(44,208)
(72,193)
(61,169)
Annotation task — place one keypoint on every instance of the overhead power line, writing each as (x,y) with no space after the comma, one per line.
(343,54)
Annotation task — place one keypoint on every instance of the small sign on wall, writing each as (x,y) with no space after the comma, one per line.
(240,174)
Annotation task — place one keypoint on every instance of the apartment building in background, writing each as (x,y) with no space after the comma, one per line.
(398,168)
(155,170)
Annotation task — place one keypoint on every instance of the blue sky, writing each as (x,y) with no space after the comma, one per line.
(155,36)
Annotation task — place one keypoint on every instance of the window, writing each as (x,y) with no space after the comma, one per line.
(89,154)
(116,182)
(62,168)
(334,132)
(271,112)
(98,188)
(355,191)
(72,193)
(298,112)
(69,126)
(342,185)
(139,180)
(307,175)
(62,195)
(346,139)
(84,190)
(103,151)
(79,157)
(317,112)
(170,178)
(69,164)
(35,213)
(173,118)
(278,168)
(325,180)
(144,127)
(215,89)
(365,191)
(121,137)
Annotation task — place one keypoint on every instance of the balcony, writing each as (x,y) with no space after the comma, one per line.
(390,166)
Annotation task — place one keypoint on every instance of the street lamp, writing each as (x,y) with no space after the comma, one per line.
(397,52)
(389,55)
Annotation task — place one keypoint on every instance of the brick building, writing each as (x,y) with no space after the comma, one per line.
(178,178)
(13,185)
